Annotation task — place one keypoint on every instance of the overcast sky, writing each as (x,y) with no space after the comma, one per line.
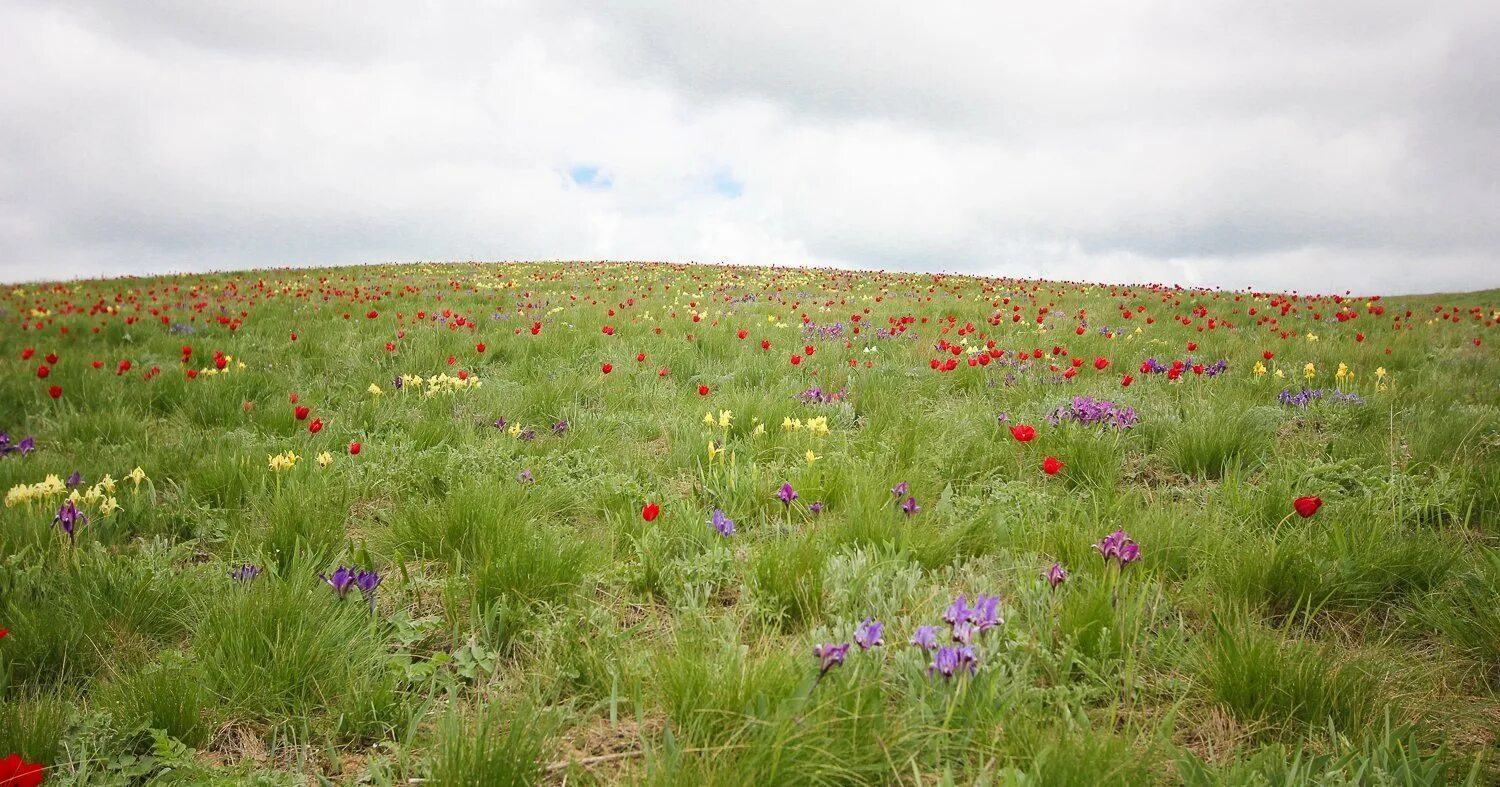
(1321,146)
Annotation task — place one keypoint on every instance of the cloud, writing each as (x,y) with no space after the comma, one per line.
(1321,147)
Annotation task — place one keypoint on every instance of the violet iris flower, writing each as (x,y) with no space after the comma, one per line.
(341,580)
(786,494)
(830,655)
(722,523)
(910,507)
(367,582)
(815,507)
(525,476)
(69,518)
(1120,547)
(899,490)
(925,638)
(948,661)
(244,573)
(1055,575)
(869,634)
(75,479)
(957,611)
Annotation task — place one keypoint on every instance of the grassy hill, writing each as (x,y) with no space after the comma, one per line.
(600,523)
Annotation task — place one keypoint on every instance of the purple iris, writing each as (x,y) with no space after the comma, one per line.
(869,634)
(925,638)
(397,383)
(1120,547)
(910,507)
(69,518)
(560,427)
(949,661)
(722,523)
(957,611)
(815,507)
(786,494)
(830,655)
(1094,412)
(76,479)
(986,613)
(341,580)
(1055,575)
(26,446)
(501,423)
(525,476)
(899,490)
(963,631)
(244,573)
(367,582)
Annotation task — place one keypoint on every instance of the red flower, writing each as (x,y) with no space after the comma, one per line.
(123,367)
(536,328)
(390,347)
(1023,433)
(316,425)
(1100,363)
(1126,381)
(98,364)
(1307,506)
(301,412)
(1268,355)
(765,344)
(371,314)
(294,336)
(662,372)
(479,347)
(608,331)
(1051,465)
(639,357)
(42,372)
(703,390)
(796,359)
(16,772)
(3,632)
(650,512)
(354,448)
(192,374)
(742,333)
(1192,346)
(55,392)
(27,353)
(51,358)
(606,367)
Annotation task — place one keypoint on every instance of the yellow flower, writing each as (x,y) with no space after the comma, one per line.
(791,424)
(325,459)
(109,506)
(137,475)
(1280,375)
(1312,337)
(708,418)
(107,484)
(514,429)
(714,451)
(1309,371)
(1343,371)
(725,417)
(812,457)
(282,461)
(760,429)
(374,390)
(1260,369)
(51,485)
(1380,372)
(818,425)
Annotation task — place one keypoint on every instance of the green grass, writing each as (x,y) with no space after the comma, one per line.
(531,626)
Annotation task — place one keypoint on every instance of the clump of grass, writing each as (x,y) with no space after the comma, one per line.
(786,579)
(498,746)
(1210,443)
(167,695)
(1284,687)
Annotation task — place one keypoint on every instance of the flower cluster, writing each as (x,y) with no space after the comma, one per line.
(444,383)
(817,425)
(23,447)
(816,395)
(965,623)
(1175,369)
(1307,396)
(1089,411)
(345,577)
(99,496)
(283,461)
(868,634)
(1119,547)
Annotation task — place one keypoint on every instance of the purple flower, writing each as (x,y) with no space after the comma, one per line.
(815,507)
(1089,411)
(786,494)
(69,518)
(525,476)
(244,573)
(869,634)
(957,611)
(899,490)
(528,434)
(367,582)
(925,637)
(501,423)
(341,581)
(1120,547)
(26,446)
(830,655)
(722,523)
(948,661)
(1055,575)
(397,383)
(986,613)
(910,507)
(963,631)
(560,427)
(74,480)
(1002,417)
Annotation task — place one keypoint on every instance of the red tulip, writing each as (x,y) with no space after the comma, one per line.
(703,390)
(1100,363)
(316,425)
(55,392)
(42,372)
(97,364)
(51,358)
(479,347)
(354,448)
(639,357)
(1023,433)
(796,360)
(606,367)
(1307,506)
(3,632)
(650,512)
(1126,381)
(765,344)
(27,353)
(1051,465)
(742,333)
(301,412)
(16,772)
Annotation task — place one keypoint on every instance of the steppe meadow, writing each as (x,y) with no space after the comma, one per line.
(670,524)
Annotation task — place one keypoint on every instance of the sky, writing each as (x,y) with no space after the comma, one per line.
(1269,144)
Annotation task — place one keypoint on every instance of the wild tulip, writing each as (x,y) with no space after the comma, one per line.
(316,425)
(703,390)
(650,512)
(1052,465)
(1023,433)
(16,772)
(302,411)
(354,448)
(1307,506)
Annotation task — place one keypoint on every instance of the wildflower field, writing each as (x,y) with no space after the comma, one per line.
(666,524)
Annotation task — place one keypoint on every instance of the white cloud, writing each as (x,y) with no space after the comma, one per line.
(1324,147)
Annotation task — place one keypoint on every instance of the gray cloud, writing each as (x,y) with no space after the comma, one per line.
(1324,146)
